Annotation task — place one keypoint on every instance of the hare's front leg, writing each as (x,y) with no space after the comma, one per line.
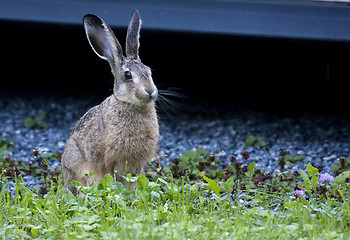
(87,178)
(68,176)
(89,175)
(134,172)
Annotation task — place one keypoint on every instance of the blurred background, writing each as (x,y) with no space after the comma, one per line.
(285,54)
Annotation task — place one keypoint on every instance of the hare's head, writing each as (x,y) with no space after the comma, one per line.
(133,80)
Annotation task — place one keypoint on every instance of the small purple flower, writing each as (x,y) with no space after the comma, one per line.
(326,178)
(299,193)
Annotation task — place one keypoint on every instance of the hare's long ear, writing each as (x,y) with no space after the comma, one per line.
(133,35)
(103,41)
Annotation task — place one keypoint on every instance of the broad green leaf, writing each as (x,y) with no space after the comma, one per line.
(117,187)
(261,143)
(190,154)
(89,174)
(76,184)
(254,141)
(306,179)
(228,185)
(342,177)
(41,116)
(142,181)
(125,194)
(314,182)
(251,167)
(347,160)
(335,167)
(105,182)
(202,152)
(152,186)
(129,178)
(212,173)
(313,172)
(251,140)
(155,195)
(30,123)
(298,158)
(287,157)
(213,185)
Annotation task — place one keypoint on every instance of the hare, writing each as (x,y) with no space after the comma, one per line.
(120,135)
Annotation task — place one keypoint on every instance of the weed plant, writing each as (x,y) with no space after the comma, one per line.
(35,123)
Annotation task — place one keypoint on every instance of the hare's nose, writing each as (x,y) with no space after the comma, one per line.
(152,93)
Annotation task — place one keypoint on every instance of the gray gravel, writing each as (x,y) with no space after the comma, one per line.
(322,138)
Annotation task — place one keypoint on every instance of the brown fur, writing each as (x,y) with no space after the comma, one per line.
(120,135)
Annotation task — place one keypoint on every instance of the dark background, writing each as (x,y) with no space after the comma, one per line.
(207,68)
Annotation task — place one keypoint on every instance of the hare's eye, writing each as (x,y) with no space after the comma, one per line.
(128,75)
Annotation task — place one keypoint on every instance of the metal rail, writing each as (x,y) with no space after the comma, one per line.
(323,21)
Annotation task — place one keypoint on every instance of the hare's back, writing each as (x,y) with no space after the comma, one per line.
(90,126)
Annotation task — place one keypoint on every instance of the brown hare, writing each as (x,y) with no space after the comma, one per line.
(120,135)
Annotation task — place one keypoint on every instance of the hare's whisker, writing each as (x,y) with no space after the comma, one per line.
(169,105)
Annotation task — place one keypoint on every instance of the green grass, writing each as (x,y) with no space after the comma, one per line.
(230,203)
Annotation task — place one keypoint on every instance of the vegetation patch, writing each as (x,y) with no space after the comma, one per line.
(36,123)
(254,141)
(194,197)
